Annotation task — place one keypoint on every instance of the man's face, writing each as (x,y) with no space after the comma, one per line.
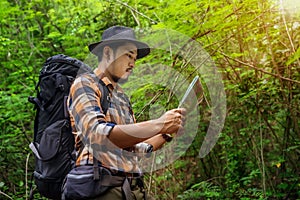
(123,63)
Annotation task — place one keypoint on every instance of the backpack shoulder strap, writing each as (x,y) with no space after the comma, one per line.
(105,98)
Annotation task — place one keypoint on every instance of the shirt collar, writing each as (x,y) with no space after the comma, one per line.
(106,80)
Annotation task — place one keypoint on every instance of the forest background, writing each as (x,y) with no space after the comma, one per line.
(254,45)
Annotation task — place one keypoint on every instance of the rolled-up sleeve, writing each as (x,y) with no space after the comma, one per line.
(84,106)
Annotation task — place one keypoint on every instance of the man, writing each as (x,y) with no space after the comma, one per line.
(109,140)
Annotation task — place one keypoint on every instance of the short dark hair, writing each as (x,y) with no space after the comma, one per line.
(113,46)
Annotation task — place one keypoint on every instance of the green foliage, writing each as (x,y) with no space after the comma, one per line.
(254,45)
(202,190)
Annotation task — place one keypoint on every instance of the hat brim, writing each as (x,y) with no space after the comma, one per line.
(142,48)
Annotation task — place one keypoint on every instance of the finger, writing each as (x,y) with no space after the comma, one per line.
(180,110)
(183,120)
(178,116)
(179,121)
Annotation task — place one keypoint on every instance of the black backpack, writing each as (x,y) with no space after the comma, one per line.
(53,143)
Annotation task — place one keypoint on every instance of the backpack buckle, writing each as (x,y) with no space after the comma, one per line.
(36,102)
(61,87)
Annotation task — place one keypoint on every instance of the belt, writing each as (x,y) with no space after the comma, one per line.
(126,174)
(119,173)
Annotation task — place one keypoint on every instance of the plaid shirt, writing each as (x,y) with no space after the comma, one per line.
(91,126)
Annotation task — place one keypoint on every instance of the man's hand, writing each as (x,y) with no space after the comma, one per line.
(126,135)
(172,121)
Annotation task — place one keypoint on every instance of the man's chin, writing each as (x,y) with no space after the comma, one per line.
(122,80)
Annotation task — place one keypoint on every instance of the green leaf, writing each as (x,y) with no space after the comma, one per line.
(294,57)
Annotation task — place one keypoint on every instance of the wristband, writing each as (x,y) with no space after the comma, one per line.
(143,148)
(167,137)
(149,148)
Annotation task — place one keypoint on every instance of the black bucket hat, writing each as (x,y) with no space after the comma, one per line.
(116,34)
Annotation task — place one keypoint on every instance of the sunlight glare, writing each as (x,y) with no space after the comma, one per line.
(291,6)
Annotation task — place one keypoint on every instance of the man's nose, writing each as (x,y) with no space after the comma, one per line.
(132,64)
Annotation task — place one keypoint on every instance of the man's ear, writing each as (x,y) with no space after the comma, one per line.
(107,53)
